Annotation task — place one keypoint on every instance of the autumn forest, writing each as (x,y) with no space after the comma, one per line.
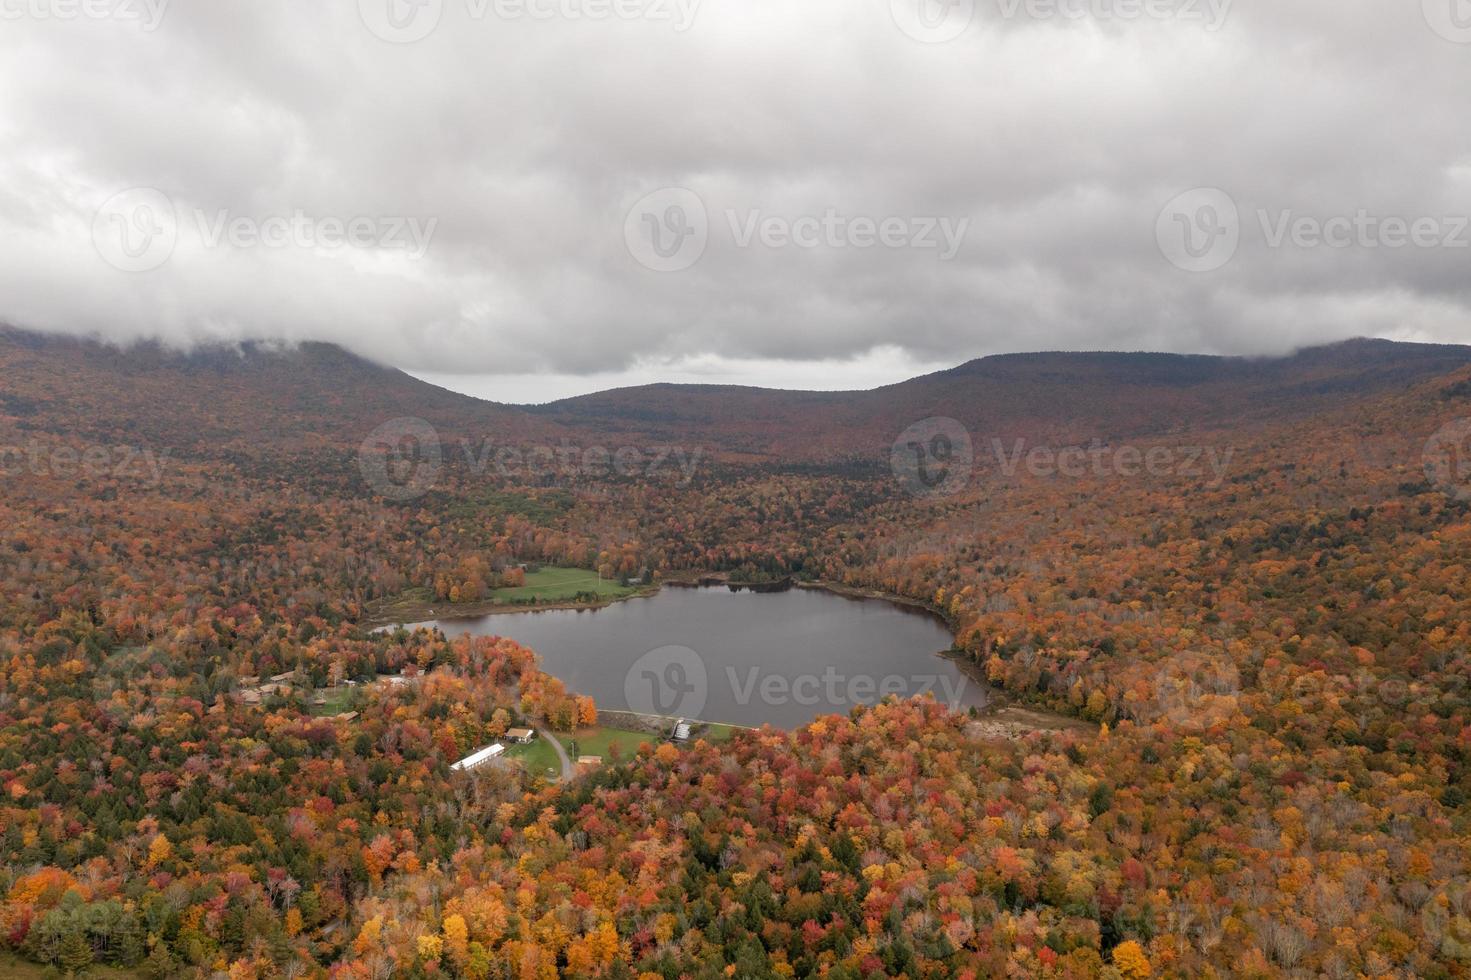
(1244,584)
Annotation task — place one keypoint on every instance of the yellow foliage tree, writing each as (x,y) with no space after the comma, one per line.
(456,938)
(1130,961)
(159,851)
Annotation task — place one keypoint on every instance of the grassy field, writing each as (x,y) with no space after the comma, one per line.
(600,741)
(538,757)
(561,585)
(719,733)
(544,586)
(339,700)
(15,968)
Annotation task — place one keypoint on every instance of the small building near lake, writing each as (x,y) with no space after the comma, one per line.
(521,736)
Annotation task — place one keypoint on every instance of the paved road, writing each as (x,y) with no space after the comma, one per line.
(561,752)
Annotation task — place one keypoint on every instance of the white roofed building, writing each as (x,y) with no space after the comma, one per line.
(479,758)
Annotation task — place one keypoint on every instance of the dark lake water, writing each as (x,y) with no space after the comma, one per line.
(739,657)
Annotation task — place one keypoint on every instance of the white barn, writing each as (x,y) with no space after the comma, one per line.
(479,758)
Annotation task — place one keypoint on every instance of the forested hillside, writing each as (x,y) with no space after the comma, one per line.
(1267,633)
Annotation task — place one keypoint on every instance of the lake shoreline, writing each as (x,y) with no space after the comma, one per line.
(855,592)
(416,611)
(408,612)
(388,613)
(1002,715)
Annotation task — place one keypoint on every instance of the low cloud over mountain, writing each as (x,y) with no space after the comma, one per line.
(474,187)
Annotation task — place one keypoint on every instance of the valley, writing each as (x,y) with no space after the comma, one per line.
(1228,705)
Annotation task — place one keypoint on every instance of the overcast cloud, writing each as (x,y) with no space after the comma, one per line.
(865,188)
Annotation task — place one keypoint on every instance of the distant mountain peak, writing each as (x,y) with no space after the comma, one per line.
(271,391)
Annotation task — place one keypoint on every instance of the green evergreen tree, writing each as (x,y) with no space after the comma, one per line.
(130,940)
(161,964)
(76,952)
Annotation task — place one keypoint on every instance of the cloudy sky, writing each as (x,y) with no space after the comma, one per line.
(531,198)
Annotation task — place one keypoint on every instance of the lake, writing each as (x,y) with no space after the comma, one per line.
(741,658)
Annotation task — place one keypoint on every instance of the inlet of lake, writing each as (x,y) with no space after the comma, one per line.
(741,658)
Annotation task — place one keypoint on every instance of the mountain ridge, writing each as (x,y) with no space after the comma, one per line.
(233,394)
